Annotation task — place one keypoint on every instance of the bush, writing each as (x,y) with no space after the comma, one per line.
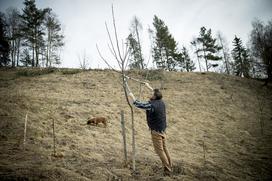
(70,71)
(153,74)
(146,74)
(31,72)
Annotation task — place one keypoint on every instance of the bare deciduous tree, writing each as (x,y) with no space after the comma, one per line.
(83,61)
(121,53)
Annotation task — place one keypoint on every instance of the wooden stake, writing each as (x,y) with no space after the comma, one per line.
(133,142)
(25,129)
(124,135)
(54,138)
(204,147)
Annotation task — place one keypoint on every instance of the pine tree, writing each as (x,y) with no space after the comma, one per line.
(241,58)
(165,52)
(207,48)
(32,20)
(188,64)
(4,45)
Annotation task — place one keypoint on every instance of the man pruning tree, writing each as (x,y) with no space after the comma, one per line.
(156,120)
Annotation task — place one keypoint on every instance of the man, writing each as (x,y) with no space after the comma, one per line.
(156,120)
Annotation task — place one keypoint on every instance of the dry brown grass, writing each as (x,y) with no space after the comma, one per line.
(218,114)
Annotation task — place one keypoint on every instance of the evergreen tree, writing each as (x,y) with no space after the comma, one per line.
(165,52)
(187,64)
(241,58)
(207,48)
(4,45)
(136,59)
(32,21)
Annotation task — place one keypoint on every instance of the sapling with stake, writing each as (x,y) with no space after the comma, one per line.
(121,57)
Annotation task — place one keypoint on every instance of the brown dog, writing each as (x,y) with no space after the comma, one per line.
(95,121)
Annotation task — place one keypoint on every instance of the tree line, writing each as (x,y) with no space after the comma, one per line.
(30,37)
(33,37)
(255,60)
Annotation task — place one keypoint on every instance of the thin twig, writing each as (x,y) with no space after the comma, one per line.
(123,50)
(112,49)
(112,52)
(105,60)
(115,33)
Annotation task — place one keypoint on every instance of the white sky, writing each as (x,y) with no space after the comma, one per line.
(83,21)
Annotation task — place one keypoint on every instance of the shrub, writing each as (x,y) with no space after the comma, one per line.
(31,72)
(70,71)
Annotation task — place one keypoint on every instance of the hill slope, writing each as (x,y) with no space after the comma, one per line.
(214,128)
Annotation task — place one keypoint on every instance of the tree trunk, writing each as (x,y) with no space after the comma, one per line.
(206,61)
(13,52)
(132,120)
(140,48)
(37,56)
(198,59)
(224,54)
(33,55)
(269,75)
(18,52)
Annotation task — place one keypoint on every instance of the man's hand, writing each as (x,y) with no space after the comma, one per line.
(148,86)
(132,96)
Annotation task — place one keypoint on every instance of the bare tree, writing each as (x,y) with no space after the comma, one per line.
(225,51)
(261,45)
(13,21)
(194,44)
(83,61)
(121,54)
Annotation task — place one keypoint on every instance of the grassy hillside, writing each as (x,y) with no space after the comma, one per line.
(226,119)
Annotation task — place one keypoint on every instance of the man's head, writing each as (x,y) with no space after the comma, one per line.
(157,95)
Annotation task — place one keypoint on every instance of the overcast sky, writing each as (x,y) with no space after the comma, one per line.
(83,21)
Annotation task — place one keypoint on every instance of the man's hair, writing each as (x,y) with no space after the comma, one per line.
(157,94)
